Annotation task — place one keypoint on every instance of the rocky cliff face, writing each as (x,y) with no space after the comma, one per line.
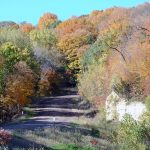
(117,107)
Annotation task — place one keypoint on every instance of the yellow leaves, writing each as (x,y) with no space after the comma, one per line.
(73,35)
(7,101)
(43,37)
(71,42)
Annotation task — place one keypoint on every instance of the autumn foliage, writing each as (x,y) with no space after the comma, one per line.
(74,37)
(119,60)
(20,85)
(26,28)
(107,50)
(49,82)
(47,20)
(17,79)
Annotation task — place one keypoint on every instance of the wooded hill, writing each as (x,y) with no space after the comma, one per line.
(100,52)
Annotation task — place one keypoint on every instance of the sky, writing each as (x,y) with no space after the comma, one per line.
(30,10)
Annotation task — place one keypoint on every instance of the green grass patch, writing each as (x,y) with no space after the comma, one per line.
(71,147)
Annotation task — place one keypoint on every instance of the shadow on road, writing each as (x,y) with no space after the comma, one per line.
(69,101)
(18,143)
(61,126)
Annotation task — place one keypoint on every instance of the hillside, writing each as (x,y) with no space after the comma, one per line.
(104,57)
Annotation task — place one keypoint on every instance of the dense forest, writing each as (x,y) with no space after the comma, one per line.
(107,50)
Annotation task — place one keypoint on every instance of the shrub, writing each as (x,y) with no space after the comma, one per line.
(132,134)
(5,137)
(145,121)
(148,103)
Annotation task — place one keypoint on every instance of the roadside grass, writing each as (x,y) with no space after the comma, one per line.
(56,147)
(72,147)
(59,139)
(101,135)
(103,129)
(100,126)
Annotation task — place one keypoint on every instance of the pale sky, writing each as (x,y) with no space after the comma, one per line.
(31,10)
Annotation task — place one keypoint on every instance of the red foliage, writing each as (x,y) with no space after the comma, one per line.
(94,142)
(5,137)
(26,28)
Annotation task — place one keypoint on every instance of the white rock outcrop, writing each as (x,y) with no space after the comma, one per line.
(117,107)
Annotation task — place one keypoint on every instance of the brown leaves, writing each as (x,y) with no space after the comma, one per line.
(49,82)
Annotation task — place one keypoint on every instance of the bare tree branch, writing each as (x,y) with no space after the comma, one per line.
(114,48)
(142,28)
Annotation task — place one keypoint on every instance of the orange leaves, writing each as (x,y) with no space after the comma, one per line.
(21,84)
(74,25)
(72,35)
(46,20)
(26,28)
